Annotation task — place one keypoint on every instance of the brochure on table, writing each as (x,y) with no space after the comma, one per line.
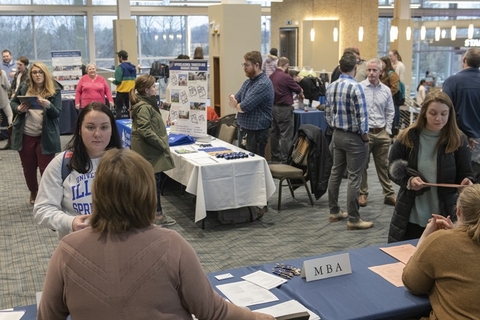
(188,93)
(67,68)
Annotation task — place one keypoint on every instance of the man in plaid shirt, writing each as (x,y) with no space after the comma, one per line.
(254,102)
(346,113)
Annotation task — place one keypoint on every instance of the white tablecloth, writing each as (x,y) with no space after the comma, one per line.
(221,184)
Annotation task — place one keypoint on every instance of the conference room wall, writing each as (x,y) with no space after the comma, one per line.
(350,14)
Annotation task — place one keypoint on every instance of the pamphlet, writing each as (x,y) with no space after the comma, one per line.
(187,149)
(31,101)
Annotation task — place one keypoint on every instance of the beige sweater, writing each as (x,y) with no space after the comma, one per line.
(447,267)
(152,273)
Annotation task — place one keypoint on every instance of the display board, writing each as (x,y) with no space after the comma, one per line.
(67,68)
(189,97)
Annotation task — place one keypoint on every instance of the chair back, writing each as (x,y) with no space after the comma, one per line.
(227,133)
(229,119)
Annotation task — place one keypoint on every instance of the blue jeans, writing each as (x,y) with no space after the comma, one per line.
(256,140)
(349,151)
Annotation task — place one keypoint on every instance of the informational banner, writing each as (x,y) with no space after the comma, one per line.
(188,92)
(67,68)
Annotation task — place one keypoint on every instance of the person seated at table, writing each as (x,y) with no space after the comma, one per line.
(149,135)
(446,263)
(92,87)
(123,266)
(64,198)
(432,150)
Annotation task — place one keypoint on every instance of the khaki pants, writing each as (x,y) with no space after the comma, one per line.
(379,146)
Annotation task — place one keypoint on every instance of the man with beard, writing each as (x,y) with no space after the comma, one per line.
(254,102)
(7,64)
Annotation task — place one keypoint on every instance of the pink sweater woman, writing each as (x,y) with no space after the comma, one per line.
(92,87)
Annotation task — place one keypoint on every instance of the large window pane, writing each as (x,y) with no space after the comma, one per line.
(266,24)
(103,32)
(198,28)
(17,36)
(161,38)
(59,33)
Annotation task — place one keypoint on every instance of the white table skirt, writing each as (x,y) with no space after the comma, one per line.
(221,184)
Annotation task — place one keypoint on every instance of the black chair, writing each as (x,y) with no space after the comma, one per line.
(295,173)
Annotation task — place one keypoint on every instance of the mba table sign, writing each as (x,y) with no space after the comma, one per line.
(327,267)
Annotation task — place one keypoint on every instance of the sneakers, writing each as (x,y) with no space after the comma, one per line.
(164,220)
(359,225)
(334,217)
(391,200)
(362,200)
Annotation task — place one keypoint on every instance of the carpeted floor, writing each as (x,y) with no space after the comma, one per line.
(299,230)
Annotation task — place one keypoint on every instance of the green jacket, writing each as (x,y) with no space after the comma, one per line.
(50,137)
(149,135)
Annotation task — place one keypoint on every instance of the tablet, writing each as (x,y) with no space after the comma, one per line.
(31,101)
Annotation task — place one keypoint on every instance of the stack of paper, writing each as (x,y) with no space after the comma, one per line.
(11,315)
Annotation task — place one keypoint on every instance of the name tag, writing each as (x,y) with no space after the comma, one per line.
(327,267)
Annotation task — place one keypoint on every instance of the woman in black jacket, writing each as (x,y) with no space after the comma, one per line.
(432,150)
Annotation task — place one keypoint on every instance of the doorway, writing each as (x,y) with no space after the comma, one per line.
(288,44)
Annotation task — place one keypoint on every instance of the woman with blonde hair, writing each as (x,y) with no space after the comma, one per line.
(123,267)
(446,263)
(432,150)
(149,135)
(91,88)
(36,132)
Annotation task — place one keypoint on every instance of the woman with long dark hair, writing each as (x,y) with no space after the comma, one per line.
(64,200)
(432,150)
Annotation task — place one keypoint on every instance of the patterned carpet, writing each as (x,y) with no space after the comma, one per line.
(299,230)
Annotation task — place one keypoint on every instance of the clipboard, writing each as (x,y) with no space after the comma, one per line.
(31,101)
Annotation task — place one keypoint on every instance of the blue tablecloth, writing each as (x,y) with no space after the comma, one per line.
(315,117)
(68,117)
(124,127)
(362,294)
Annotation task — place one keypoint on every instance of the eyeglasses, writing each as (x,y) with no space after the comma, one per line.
(37,72)
(245,65)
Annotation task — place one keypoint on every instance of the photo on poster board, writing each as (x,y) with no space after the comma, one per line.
(189,97)
(67,68)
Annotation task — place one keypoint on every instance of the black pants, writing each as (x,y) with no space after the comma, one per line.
(121,100)
(414,231)
(158,182)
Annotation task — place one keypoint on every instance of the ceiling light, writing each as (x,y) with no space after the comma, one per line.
(437,33)
(335,34)
(423,33)
(470,31)
(360,34)
(453,33)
